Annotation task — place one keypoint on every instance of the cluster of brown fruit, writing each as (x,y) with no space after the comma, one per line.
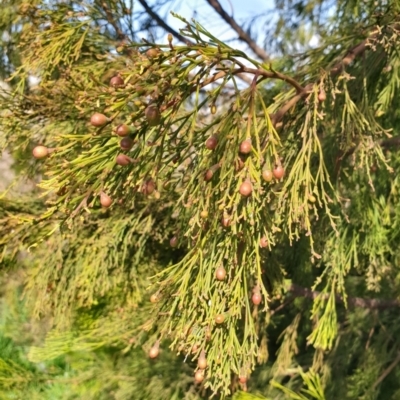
(245,148)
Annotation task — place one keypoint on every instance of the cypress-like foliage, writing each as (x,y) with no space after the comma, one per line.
(207,222)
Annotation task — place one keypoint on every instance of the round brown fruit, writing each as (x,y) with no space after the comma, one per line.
(263,242)
(208,175)
(225,222)
(152,114)
(154,351)
(195,348)
(246,188)
(126,143)
(245,147)
(220,273)
(105,200)
(219,319)
(321,96)
(242,379)
(152,53)
(173,242)
(116,81)
(199,376)
(98,119)
(153,298)
(148,187)
(122,130)
(202,361)
(278,172)
(40,152)
(267,175)
(122,159)
(212,142)
(256,298)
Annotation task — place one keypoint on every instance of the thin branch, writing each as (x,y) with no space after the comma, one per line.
(277,117)
(270,74)
(163,24)
(282,305)
(257,72)
(349,57)
(384,143)
(243,36)
(372,304)
(112,21)
(386,372)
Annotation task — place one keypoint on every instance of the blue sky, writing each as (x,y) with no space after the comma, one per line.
(202,12)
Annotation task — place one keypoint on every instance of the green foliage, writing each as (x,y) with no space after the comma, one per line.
(100,236)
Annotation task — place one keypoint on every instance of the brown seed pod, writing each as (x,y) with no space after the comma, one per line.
(126,143)
(152,53)
(278,172)
(220,273)
(210,172)
(123,159)
(98,119)
(245,147)
(225,221)
(208,175)
(195,347)
(154,351)
(246,188)
(212,142)
(202,360)
(173,242)
(321,96)
(170,37)
(154,298)
(152,114)
(213,109)
(267,175)
(148,187)
(122,130)
(116,81)
(263,242)
(40,152)
(105,200)
(256,298)
(242,379)
(219,319)
(199,376)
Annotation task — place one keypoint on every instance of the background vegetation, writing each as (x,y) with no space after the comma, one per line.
(212,218)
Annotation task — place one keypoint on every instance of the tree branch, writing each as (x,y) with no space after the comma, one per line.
(387,371)
(384,143)
(243,36)
(335,70)
(111,20)
(373,304)
(348,58)
(163,24)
